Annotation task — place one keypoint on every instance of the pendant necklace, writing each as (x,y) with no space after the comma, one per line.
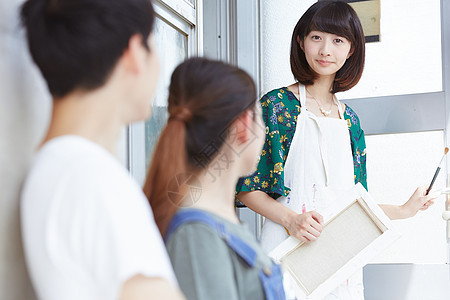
(324,112)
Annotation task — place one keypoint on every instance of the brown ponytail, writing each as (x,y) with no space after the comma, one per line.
(205,97)
(169,159)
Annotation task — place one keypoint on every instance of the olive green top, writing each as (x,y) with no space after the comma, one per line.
(208,269)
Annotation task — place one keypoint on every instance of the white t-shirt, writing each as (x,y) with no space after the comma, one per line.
(87,226)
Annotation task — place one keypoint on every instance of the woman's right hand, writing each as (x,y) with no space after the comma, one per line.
(305,227)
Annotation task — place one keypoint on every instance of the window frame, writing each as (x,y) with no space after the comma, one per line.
(187,19)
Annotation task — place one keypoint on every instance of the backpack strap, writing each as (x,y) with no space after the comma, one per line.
(247,253)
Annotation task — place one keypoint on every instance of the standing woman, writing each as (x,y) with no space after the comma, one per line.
(314,146)
(213,137)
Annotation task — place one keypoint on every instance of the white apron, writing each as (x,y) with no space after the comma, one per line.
(318,168)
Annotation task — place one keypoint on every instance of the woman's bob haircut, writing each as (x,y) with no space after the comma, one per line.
(335,17)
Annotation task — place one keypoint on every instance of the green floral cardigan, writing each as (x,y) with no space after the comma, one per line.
(280,112)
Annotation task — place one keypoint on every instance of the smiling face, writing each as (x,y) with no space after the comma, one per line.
(336,24)
(325,53)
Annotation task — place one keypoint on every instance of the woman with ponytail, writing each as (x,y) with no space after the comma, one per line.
(213,136)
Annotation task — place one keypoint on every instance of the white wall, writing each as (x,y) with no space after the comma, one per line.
(396,165)
(277,23)
(407,60)
(24,113)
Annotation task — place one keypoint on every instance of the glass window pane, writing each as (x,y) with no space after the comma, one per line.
(171,45)
(396,165)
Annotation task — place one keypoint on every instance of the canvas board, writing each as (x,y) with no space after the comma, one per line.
(350,239)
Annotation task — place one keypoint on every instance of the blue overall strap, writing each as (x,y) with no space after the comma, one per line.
(239,246)
(272,281)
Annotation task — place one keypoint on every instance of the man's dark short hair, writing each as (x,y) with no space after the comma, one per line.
(334,17)
(77,43)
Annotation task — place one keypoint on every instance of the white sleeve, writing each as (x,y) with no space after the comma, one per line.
(111,231)
(136,237)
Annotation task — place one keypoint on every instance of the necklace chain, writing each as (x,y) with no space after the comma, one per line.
(324,112)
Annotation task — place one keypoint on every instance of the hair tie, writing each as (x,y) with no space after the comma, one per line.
(182,114)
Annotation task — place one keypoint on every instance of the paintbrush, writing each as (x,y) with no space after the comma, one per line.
(437,171)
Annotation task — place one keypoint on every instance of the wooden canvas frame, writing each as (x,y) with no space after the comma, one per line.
(356,233)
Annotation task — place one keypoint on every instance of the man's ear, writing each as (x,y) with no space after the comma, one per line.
(133,57)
